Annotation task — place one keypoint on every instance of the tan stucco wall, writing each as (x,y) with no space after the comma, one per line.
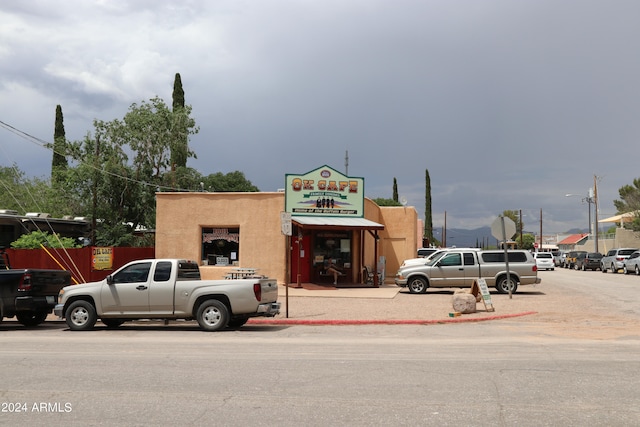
(181,216)
(400,236)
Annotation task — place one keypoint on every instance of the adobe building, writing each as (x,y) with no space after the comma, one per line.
(290,235)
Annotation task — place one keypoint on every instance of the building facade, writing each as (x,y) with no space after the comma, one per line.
(224,231)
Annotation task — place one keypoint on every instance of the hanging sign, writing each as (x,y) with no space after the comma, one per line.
(324,192)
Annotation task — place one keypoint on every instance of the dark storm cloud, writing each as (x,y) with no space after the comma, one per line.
(509,105)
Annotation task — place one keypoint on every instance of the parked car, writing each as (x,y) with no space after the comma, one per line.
(590,261)
(558,258)
(577,260)
(632,263)
(425,252)
(614,259)
(544,260)
(570,259)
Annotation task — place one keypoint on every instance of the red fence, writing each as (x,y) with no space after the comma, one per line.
(77,261)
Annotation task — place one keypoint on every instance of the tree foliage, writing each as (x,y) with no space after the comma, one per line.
(36,239)
(395,189)
(630,202)
(59,161)
(527,241)
(180,147)
(428,216)
(515,216)
(386,202)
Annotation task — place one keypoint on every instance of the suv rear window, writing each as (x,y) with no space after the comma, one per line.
(544,255)
(499,256)
(626,251)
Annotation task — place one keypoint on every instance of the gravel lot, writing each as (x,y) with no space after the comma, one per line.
(549,307)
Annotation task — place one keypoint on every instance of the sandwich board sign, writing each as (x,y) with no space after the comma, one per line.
(480,286)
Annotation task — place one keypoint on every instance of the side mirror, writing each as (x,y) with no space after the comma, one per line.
(109,280)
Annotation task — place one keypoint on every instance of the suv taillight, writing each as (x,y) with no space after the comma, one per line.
(534,268)
(25,283)
(257,290)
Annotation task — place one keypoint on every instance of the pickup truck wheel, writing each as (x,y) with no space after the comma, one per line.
(212,315)
(112,323)
(503,287)
(31,318)
(418,285)
(81,316)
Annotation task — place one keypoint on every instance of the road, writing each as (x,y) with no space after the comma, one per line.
(530,371)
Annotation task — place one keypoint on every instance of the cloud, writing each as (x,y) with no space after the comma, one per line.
(509,105)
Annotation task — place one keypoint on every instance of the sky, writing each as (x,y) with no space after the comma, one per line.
(509,105)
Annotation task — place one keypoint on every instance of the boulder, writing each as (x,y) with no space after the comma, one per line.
(464,302)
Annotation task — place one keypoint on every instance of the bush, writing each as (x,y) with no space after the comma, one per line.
(42,238)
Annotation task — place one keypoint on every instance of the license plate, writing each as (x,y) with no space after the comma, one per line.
(51,299)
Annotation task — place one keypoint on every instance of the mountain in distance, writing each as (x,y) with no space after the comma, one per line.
(463,238)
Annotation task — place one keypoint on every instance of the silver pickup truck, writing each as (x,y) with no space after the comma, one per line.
(166,289)
(459,268)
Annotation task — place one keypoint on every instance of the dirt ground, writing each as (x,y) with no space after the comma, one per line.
(550,310)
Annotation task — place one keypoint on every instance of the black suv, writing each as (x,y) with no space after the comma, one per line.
(570,259)
(590,261)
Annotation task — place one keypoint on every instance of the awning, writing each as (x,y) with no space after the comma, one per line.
(625,217)
(329,222)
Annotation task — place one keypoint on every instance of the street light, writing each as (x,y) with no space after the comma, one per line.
(592,197)
(589,199)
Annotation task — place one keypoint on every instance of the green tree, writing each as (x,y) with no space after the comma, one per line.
(527,241)
(180,144)
(232,181)
(395,189)
(630,202)
(428,217)
(515,216)
(59,161)
(386,202)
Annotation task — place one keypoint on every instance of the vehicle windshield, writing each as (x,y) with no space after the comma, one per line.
(435,257)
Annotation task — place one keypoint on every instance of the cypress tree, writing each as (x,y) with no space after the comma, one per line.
(428,218)
(59,161)
(179,147)
(395,190)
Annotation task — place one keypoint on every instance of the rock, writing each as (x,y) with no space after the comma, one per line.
(464,302)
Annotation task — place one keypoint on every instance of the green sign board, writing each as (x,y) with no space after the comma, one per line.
(324,192)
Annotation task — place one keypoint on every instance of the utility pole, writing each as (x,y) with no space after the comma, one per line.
(595,203)
(540,248)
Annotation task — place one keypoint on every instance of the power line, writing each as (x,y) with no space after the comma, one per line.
(49,146)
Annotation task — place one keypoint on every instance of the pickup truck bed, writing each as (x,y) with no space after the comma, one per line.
(30,294)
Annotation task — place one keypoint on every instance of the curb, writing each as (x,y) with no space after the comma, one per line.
(263,321)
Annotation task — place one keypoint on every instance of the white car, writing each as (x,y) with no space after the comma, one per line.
(544,260)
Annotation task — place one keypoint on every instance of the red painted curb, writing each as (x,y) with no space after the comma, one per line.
(273,321)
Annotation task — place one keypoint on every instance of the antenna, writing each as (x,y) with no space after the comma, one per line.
(346,162)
